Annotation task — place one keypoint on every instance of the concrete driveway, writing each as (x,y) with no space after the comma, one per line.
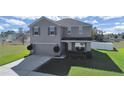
(25,66)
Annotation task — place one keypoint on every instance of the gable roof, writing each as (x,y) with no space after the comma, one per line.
(72,22)
(63,22)
(38,20)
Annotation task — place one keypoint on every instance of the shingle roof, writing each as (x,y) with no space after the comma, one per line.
(63,22)
(38,20)
(70,21)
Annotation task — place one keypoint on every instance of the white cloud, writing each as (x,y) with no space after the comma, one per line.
(16,30)
(109,17)
(54,17)
(119,28)
(15,22)
(107,32)
(6,25)
(62,17)
(1,28)
(91,22)
(114,29)
(28,17)
(94,22)
(117,23)
(78,17)
(51,17)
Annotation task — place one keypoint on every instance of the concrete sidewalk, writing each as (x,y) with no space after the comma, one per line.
(25,66)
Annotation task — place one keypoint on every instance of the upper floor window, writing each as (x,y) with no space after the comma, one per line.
(69,30)
(52,30)
(36,30)
(75,29)
(81,30)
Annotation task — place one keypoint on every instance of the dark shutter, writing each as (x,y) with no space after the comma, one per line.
(32,31)
(39,31)
(55,30)
(48,30)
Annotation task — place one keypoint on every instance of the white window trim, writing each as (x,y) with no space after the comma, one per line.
(68,30)
(52,30)
(80,32)
(52,35)
(36,27)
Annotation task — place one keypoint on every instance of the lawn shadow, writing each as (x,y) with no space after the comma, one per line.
(62,67)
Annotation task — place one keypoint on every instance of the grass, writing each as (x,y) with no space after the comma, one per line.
(10,53)
(79,71)
(116,56)
(103,63)
(119,44)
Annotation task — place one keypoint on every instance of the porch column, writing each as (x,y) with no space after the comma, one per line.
(69,46)
(87,46)
(73,46)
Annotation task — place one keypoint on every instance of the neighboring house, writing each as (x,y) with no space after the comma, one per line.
(27,38)
(56,38)
(10,38)
(111,38)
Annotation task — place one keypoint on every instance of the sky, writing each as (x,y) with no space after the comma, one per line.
(108,24)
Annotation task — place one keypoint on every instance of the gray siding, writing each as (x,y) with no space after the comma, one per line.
(44,43)
(46,49)
(87,32)
(44,37)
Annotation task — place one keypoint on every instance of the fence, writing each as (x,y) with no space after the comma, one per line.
(102,45)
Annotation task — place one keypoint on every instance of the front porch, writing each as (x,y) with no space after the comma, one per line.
(74,47)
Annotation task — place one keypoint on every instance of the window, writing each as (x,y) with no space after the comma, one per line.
(81,30)
(75,29)
(69,30)
(52,30)
(85,29)
(36,30)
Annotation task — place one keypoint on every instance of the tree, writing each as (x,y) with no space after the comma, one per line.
(123,36)
(116,36)
(3,36)
(21,36)
(94,32)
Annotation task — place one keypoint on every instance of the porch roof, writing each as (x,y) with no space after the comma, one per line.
(76,41)
(77,38)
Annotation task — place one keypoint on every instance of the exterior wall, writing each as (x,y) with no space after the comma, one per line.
(88,47)
(86,33)
(44,37)
(46,49)
(44,43)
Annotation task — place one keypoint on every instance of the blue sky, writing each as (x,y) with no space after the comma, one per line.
(108,24)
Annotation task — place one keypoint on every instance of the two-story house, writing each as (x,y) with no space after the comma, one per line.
(56,38)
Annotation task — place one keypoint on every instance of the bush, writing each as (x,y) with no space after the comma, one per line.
(30,47)
(56,49)
(89,55)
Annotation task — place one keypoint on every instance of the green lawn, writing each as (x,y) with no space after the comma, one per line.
(79,71)
(102,59)
(119,44)
(9,53)
(116,56)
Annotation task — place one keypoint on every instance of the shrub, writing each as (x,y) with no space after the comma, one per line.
(30,47)
(89,55)
(56,49)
